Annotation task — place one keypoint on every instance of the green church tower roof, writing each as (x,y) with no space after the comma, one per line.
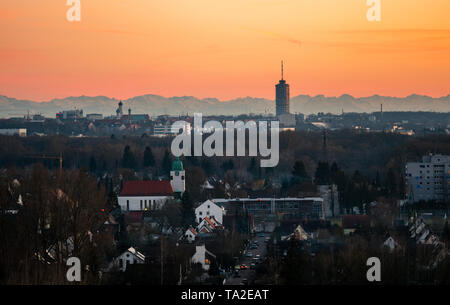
(177,165)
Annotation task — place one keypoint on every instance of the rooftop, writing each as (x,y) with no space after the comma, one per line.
(147,188)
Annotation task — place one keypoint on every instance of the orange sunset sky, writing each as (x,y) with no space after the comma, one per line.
(223,48)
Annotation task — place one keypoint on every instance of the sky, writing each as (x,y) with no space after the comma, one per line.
(223,49)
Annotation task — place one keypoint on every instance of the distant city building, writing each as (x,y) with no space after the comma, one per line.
(135,118)
(94,116)
(36,118)
(429,179)
(70,114)
(287,120)
(22,132)
(282,96)
(170,130)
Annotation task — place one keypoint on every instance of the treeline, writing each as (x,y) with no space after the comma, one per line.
(372,161)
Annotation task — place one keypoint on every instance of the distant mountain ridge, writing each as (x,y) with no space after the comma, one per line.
(158,105)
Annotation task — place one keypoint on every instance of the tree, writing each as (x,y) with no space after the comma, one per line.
(391,182)
(166,162)
(322,173)
(446,232)
(299,172)
(128,159)
(149,159)
(92,165)
(187,210)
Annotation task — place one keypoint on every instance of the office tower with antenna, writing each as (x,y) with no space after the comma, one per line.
(282,95)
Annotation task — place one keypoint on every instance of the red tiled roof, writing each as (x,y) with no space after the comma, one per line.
(193,231)
(210,222)
(147,188)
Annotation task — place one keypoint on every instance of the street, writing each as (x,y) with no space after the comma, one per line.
(248,273)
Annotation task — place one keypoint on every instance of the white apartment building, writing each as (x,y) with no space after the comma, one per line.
(429,179)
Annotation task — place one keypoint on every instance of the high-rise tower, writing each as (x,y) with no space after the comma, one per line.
(282,95)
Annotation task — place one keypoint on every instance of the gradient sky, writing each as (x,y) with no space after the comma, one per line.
(223,48)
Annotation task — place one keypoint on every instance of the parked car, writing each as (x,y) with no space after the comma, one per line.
(244,282)
(252,266)
(249,254)
(261,234)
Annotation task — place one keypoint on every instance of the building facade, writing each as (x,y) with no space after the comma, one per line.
(177,176)
(428,179)
(140,196)
(209,209)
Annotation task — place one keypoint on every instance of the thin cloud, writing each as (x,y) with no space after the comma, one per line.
(279,37)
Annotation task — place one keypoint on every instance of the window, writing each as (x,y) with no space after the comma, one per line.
(141,205)
(128,205)
(182,177)
(200,213)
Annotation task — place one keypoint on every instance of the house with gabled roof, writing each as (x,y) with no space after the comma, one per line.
(391,244)
(209,209)
(190,235)
(207,225)
(129,257)
(202,256)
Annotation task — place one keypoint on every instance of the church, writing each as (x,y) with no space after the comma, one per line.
(140,196)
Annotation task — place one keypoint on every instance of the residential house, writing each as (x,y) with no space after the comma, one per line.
(190,234)
(129,257)
(202,256)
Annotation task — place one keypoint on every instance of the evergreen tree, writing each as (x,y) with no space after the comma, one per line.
(322,173)
(391,182)
(166,163)
(128,159)
(92,165)
(253,167)
(149,159)
(446,232)
(299,172)
(187,210)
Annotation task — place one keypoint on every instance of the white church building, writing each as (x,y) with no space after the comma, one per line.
(140,196)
